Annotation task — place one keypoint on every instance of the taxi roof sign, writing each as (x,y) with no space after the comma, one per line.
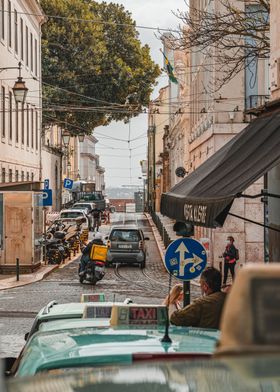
(98,310)
(251,317)
(138,315)
(93,297)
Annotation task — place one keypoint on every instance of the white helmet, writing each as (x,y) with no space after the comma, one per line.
(98,236)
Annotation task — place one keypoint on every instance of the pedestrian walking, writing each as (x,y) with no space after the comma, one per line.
(230,255)
(96,219)
(173,299)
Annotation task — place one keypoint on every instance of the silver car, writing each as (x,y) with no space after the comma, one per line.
(126,245)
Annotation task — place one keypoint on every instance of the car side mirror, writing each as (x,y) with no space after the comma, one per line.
(26,336)
(106,238)
(146,238)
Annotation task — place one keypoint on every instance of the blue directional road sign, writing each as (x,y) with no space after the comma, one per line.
(68,184)
(46,183)
(46,199)
(185,258)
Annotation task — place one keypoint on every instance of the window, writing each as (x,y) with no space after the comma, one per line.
(32,127)
(10,175)
(16,122)
(16,176)
(16,30)
(31,52)
(3,112)
(36,130)
(32,177)
(36,57)
(2,19)
(27,176)
(22,176)
(10,115)
(3,175)
(27,125)
(9,23)
(26,46)
(22,123)
(21,40)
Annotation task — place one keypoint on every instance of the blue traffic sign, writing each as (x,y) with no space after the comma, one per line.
(46,199)
(46,183)
(68,184)
(185,258)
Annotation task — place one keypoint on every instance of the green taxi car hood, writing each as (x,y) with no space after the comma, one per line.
(93,347)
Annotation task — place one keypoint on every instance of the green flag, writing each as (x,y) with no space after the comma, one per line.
(169,70)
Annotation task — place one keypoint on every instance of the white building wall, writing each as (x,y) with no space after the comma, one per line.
(20,129)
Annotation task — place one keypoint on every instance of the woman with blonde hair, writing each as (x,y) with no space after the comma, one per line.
(174,299)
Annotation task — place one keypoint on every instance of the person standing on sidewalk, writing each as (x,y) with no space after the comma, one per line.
(230,257)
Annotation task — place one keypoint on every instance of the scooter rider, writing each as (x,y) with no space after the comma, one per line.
(97,240)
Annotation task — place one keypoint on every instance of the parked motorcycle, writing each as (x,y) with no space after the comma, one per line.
(53,248)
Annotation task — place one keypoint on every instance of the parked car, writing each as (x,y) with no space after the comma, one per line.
(127,245)
(72,215)
(87,207)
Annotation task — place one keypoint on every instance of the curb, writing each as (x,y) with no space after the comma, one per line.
(11,283)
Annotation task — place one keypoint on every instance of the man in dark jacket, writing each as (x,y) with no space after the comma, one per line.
(97,240)
(205,312)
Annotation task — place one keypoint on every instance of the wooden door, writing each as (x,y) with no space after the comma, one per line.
(18,228)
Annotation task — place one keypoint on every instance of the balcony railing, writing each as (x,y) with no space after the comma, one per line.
(255,101)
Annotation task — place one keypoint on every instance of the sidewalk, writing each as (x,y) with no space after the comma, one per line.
(11,282)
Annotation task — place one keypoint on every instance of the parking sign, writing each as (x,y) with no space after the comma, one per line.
(68,184)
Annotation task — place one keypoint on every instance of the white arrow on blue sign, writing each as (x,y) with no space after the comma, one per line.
(185,258)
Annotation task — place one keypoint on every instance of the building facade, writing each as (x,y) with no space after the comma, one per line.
(20,124)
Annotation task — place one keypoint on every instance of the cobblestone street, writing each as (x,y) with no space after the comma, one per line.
(20,305)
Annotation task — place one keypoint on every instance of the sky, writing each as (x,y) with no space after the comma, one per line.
(114,154)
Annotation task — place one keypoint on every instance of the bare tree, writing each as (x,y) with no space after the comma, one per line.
(232,38)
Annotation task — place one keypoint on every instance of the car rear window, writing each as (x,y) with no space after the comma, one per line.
(82,206)
(71,215)
(125,235)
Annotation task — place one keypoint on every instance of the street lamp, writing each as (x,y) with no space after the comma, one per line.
(66,138)
(19,89)
(81,137)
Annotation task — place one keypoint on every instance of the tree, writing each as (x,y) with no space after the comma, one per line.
(94,67)
(232,36)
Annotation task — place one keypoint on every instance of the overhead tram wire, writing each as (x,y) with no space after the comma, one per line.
(96,21)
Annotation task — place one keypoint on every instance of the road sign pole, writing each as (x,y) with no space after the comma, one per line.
(187,292)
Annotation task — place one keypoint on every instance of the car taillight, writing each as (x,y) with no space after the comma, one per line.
(109,244)
(140,244)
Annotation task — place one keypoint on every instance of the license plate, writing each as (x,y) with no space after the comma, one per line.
(99,269)
(125,246)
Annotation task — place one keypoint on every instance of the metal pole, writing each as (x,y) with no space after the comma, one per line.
(154,167)
(17,269)
(187,292)
(45,235)
(265,220)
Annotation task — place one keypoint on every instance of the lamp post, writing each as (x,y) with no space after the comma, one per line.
(19,89)
(66,138)
(81,137)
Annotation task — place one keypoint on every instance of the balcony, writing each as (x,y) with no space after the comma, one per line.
(255,101)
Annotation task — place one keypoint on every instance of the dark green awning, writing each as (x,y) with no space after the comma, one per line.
(204,197)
